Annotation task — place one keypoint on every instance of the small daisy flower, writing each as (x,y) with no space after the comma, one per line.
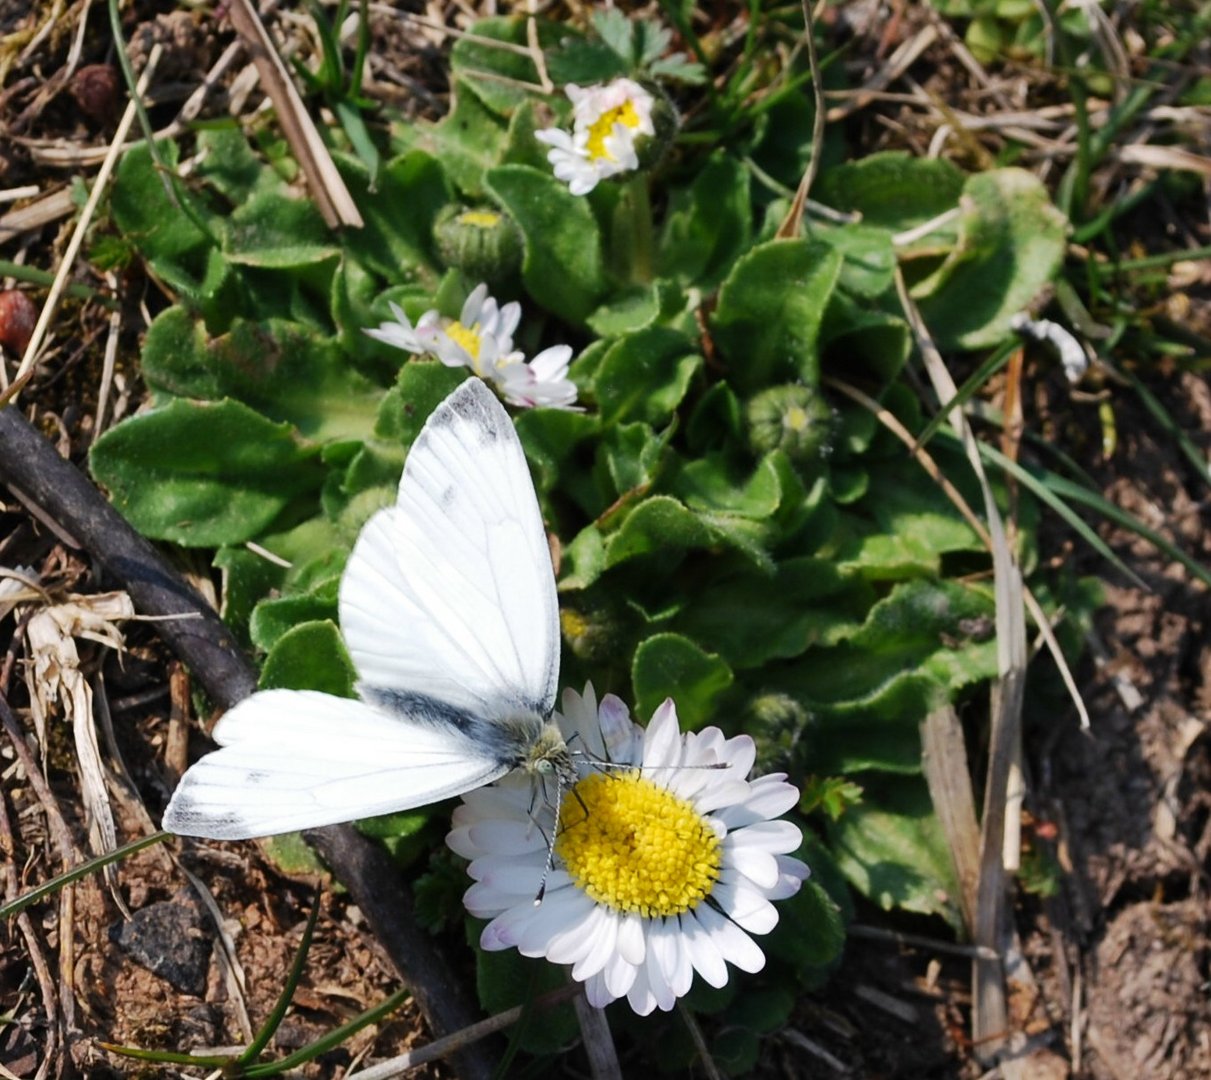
(607,121)
(481,339)
(665,864)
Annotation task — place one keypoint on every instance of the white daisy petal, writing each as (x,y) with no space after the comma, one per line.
(747,907)
(619,975)
(640,996)
(758,866)
(778,837)
(657,977)
(734,944)
(631,944)
(704,954)
(596,992)
(601,947)
(662,743)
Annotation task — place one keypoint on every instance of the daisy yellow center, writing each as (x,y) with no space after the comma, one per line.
(484,219)
(468,339)
(796,418)
(624,114)
(640,849)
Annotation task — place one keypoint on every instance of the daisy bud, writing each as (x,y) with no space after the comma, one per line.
(666,121)
(776,722)
(793,418)
(484,244)
(594,634)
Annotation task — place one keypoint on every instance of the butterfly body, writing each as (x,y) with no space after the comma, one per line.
(448,610)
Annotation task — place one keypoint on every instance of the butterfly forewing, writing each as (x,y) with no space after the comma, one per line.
(449,595)
(294,759)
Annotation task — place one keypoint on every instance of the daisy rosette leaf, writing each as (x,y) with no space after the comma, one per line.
(614,130)
(666,857)
(481,338)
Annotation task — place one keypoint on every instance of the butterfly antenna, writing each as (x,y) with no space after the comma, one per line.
(546,870)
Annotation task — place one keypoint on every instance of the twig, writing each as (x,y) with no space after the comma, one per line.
(58,827)
(918,941)
(944,760)
(374,881)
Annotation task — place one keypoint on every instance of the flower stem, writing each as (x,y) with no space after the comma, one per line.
(633,232)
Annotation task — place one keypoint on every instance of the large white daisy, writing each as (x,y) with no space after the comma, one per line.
(665,862)
(481,339)
(606,121)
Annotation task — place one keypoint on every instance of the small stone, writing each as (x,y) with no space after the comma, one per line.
(169,940)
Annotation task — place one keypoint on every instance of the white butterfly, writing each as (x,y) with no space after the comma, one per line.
(448,610)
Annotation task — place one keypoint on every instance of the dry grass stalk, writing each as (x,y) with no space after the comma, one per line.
(77,238)
(323,181)
(990,1011)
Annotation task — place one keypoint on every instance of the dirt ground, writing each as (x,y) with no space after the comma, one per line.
(1114,965)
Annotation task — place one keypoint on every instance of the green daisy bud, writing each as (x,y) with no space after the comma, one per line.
(666,121)
(483,243)
(793,418)
(594,632)
(777,723)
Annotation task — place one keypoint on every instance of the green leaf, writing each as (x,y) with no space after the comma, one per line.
(857,335)
(203,474)
(710,484)
(551,438)
(276,617)
(278,367)
(644,376)
(659,525)
(1011,244)
(672,666)
(750,618)
(468,141)
(396,239)
(811,930)
(770,309)
(917,631)
(869,259)
(892,850)
(276,232)
(585,63)
(892,190)
(310,656)
(708,225)
(562,267)
(178,251)
(227,163)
